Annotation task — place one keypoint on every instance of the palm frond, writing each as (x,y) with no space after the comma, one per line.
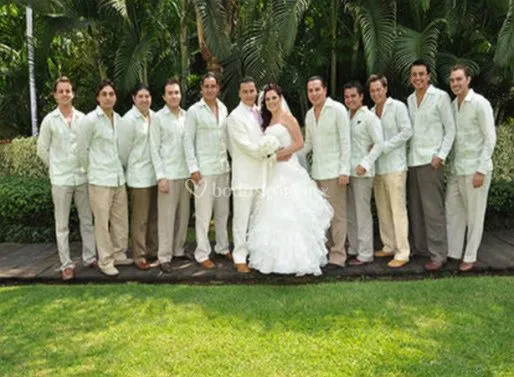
(504,54)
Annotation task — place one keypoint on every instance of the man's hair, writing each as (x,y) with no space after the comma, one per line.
(62,79)
(464,67)
(421,62)
(246,80)
(316,78)
(210,75)
(377,77)
(354,84)
(140,86)
(171,81)
(103,84)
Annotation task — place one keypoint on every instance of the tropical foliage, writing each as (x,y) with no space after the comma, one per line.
(148,41)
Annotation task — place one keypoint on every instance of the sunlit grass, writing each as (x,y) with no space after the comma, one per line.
(447,327)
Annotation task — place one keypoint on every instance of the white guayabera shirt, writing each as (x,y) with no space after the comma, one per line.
(57,148)
(367,141)
(397,131)
(205,139)
(134,142)
(329,139)
(476,136)
(98,151)
(433,127)
(167,144)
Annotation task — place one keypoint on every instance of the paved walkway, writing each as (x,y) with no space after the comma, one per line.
(38,263)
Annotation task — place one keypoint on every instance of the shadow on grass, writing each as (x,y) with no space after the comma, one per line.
(447,327)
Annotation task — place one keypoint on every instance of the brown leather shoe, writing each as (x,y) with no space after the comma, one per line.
(142,264)
(384,254)
(207,264)
(433,266)
(357,262)
(229,256)
(93,264)
(395,263)
(242,268)
(68,274)
(465,266)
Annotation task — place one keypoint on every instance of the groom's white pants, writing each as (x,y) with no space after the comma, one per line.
(244,205)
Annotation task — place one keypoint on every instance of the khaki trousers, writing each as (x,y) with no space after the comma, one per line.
(143,222)
(173,213)
(390,199)
(336,196)
(360,222)
(109,205)
(426,212)
(465,208)
(62,197)
(212,195)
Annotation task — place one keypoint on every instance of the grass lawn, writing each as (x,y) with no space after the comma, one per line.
(447,327)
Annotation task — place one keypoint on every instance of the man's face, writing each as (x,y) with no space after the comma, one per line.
(352,99)
(316,92)
(248,93)
(107,97)
(419,77)
(142,100)
(64,94)
(210,89)
(378,92)
(459,82)
(172,96)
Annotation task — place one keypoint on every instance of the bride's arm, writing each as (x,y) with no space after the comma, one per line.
(294,130)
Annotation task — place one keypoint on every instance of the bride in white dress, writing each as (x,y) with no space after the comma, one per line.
(287,229)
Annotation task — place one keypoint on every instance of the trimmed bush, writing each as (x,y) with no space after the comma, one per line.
(503,156)
(19,158)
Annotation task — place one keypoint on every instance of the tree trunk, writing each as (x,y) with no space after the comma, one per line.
(212,62)
(333,54)
(184,47)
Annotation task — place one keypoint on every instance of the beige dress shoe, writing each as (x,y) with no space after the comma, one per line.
(242,268)
(395,263)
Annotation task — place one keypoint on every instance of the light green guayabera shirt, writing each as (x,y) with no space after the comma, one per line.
(433,127)
(167,144)
(476,136)
(134,143)
(205,139)
(98,150)
(57,148)
(367,141)
(329,140)
(397,130)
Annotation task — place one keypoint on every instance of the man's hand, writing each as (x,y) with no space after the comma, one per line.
(163,186)
(283,155)
(196,177)
(478,180)
(437,162)
(360,170)
(344,180)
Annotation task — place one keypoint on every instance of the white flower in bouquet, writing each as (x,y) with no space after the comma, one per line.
(268,145)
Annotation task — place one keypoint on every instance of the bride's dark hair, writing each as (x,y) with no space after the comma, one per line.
(265,113)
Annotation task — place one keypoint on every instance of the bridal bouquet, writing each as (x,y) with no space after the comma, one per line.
(268,145)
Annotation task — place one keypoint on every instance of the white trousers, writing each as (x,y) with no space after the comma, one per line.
(244,205)
(360,221)
(465,208)
(212,194)
(62,197)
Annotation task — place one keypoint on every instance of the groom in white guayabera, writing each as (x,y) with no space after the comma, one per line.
(248,158)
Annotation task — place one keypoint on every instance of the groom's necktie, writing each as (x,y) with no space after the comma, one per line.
(256,115)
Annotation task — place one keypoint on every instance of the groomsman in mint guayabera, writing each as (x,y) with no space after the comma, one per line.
(391,173)
(327,135)
(98,151)
(367,142)
(205,145)
(169,161)
(57,148)
(433,132)
(134,143)
(471,168)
